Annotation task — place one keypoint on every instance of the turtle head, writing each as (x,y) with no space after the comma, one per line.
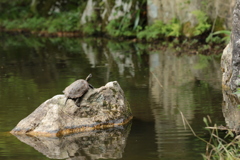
(88,77)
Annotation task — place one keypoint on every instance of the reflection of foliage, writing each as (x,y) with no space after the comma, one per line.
(204,61)
(123,46)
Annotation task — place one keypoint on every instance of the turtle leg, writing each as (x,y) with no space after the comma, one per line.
(66,101)
(78,101)
(90,86)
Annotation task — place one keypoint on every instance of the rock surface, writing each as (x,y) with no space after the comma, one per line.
(231,111)
(230,61)
(100,108)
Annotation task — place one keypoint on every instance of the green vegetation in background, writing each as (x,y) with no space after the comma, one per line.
(159,29)
(203,25)
(130,23)
(67,21)
(222,36)
(64,16)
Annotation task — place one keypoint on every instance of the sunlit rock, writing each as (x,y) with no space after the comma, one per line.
(231,55)
(107,144)
(226,66)
(100,108)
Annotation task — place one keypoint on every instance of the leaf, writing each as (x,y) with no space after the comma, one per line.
(136,22)
(205,121)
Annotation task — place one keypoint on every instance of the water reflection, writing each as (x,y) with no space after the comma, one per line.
(86,145)
(157,85)
(179,84)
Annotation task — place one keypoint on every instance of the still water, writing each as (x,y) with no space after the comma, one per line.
(158,85)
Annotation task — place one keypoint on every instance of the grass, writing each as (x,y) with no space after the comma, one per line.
(217,148)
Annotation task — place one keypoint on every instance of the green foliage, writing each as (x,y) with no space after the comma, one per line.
(35,23)
(203,24)
(120,27)
(12,24)
(92,26)
(159,29)
(18,15)
(130,24)
(14,9)
(67,21)
(219,148)
(237,92)
(89,28)
(222,36)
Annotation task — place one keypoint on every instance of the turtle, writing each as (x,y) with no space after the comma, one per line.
(77,89)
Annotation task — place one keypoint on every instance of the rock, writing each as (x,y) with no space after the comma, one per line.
(100,108)
(231,111)
(231,56)
(226,66)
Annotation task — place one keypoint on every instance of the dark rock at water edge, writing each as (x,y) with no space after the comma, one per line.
(100,108)
(231,111)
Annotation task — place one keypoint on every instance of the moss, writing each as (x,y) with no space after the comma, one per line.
(219,24)
(105,103)
(188,30)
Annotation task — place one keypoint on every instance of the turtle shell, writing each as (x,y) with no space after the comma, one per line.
(76,89)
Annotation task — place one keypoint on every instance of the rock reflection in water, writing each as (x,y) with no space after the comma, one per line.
(86,145)
(231,111)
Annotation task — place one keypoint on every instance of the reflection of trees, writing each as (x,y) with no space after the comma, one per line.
(186,82)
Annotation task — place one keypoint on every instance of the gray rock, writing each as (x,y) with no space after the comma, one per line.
(230,61)
(231,111)
(226,65)
(100,108)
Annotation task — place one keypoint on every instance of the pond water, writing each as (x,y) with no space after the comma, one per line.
(158,85)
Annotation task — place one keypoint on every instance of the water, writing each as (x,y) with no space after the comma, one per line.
(157,84)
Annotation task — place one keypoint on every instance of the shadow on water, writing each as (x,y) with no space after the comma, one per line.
(157,85)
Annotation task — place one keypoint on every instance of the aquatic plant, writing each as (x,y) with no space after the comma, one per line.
(221,148)
(217,148)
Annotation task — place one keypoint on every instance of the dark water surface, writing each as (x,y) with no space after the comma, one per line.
(157,84)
